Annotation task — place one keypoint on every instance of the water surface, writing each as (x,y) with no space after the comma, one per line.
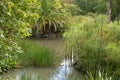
(63,71)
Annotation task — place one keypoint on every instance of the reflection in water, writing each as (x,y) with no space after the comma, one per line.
(18,76)
(63,71)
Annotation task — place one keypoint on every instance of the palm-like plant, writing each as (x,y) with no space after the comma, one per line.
(51,13)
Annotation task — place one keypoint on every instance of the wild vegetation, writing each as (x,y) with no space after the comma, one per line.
(99,7)
(18,18)
(52,16)
(92,33)
(98,76)
(36,55)
(96,44)
(12,27)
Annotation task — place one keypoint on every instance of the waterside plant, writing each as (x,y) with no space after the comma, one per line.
(36,54)
(95,44)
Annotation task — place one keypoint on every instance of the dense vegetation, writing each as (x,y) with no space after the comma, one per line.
(99,6)
(15,21)
(36,55)
(52,16)
(96,44)
(92,32)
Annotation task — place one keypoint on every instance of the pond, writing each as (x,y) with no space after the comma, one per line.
(64,71)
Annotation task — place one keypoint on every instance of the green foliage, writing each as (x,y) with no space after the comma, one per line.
(86,5)
(37,55)
(95,43)
(73,9)
(15,20)
(51,13)
(115,9)
(16,17)
(99,6)
(98,76)
(8,51)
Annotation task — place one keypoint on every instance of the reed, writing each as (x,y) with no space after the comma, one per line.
(37,55)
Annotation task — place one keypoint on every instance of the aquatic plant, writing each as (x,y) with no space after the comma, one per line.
(37,55)
(98,76)
(95,44)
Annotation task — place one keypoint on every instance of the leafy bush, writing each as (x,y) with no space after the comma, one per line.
(95,43)
(15,20)
(8,53)
(37,55)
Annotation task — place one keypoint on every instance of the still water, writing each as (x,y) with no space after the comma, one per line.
(61,73)
(64,71)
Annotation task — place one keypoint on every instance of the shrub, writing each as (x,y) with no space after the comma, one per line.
(14,23)
(8,53)
(36,54)
(96,44)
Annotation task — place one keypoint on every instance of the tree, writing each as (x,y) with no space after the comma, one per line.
(86,5)
(51,13)
(101,6)
(108,10)
(115,9)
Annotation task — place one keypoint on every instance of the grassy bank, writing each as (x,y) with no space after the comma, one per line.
(36,55)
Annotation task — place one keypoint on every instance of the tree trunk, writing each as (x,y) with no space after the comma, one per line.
(108,11)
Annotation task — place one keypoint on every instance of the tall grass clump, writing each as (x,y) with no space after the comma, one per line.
(37,55)
(96,45)
(98,76)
